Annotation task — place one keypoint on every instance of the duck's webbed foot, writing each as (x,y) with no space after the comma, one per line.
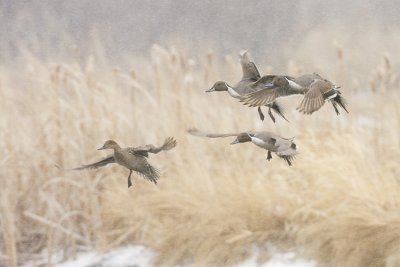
(260,113)
(270,114)
(269,156)
(129,179)
(278,109)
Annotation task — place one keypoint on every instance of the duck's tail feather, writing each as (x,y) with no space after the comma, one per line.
(335,108)
(288,153)
(151,173)
(288,159)
(339,100)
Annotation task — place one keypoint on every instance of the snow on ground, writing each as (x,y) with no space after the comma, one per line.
(139,256)
(287,259)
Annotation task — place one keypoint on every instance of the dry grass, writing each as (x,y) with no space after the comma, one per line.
(338,204)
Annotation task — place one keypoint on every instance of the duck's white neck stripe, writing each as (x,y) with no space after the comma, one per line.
(232,92)
(257,141)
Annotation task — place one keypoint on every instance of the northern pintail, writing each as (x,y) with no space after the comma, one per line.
(133,158)
(250,75)
(314,88)
(284,148)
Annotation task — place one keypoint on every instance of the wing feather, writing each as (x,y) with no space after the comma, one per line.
(314,99)
(169,143)
(261,98)
(199,133)
(249,69)
(149,172)
(107,160)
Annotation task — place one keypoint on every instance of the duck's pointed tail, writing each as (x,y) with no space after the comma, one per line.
(339,100)
(288,153)
(151,173)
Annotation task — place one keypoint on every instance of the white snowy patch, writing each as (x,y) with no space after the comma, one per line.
(139,256)
(287,259)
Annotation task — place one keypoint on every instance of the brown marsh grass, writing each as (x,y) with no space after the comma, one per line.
(339,203)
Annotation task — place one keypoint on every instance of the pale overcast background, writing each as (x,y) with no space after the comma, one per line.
(266,28)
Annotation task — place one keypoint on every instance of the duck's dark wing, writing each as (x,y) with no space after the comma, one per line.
(107,160)
(199,133)
(264,80)
(169,143)
(264,96)
(249,69)
(261,97)
(268,79)
(314,98)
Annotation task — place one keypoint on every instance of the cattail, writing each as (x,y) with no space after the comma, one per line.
(174,58)
(116,70)
(387,62)
(294,68)
(339,51)
(372,85)
(269,69)
(210,57)
(380,74)
(133,75)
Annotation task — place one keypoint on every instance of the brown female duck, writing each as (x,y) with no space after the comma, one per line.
(133,158)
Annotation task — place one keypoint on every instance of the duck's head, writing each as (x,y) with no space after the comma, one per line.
(277,81)
(109,144)
(241,138)
(218,86)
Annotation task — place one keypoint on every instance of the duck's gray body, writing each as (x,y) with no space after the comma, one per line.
(250,77)
(272,142)
(314,88)
(284,148)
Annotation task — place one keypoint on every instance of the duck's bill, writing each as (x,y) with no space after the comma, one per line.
(212,89)
(101,148)
(268,85)
(235,142)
